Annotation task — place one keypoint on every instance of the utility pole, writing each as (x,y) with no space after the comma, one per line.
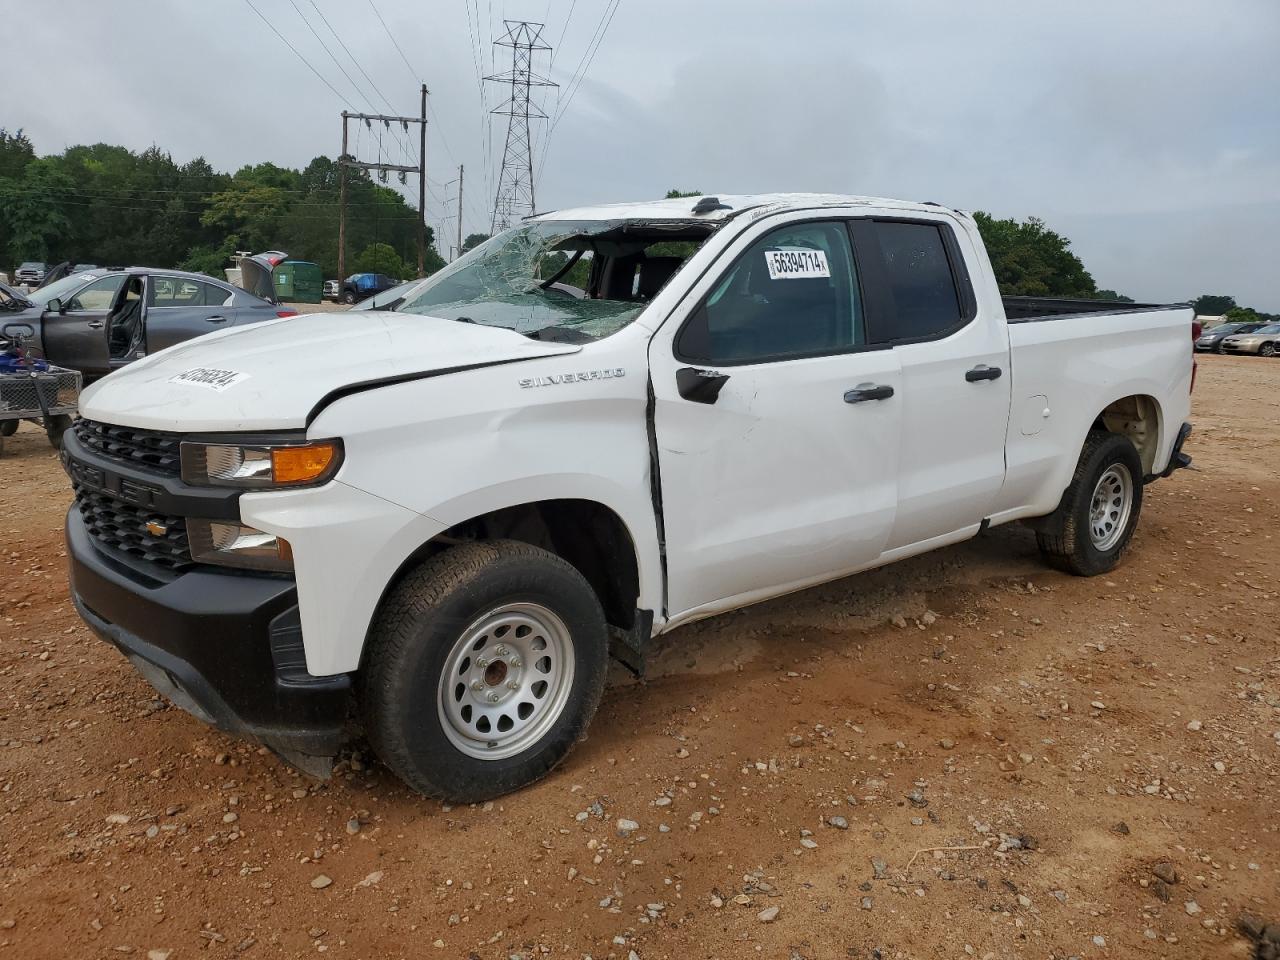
(515,196)
(459,209)
(345,161)
(422,185)
(342,206)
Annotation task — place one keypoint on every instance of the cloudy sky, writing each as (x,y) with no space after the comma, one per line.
(1146,130)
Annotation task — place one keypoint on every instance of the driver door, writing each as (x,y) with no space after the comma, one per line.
(777,424)
(76,335)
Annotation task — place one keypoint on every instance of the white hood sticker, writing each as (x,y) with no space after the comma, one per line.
(796,264)
(211,377)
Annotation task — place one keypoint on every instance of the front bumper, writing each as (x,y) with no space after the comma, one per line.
(225,647)
(1240,347)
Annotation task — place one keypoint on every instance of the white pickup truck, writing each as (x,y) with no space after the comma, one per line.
(435,524)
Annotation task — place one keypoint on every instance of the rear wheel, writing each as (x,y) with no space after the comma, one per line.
(1267,350)
(1099,510)
(486,665)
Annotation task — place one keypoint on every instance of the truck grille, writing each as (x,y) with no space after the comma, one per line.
(123,527)
(149,449)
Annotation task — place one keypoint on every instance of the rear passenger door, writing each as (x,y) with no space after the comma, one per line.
(180,308)
(955,373)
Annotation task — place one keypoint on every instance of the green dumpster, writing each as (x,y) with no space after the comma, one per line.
(298,281)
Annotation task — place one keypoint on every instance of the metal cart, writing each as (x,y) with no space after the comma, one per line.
(33,389)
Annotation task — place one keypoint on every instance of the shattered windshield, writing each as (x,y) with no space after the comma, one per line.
(568,280)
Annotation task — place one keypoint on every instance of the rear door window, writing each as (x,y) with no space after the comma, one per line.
(920,296)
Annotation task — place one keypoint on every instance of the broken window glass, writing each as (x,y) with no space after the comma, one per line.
(561,279)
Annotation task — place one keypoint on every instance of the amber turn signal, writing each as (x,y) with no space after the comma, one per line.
(302,464)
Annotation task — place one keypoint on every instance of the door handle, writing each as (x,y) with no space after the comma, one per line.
(95,324)
(215,319)
(868,391)
(700,386)
(982,372)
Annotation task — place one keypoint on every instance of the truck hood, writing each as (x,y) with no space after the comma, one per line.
(272,375)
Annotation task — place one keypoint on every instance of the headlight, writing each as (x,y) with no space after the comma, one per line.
(232,544)
(260,465)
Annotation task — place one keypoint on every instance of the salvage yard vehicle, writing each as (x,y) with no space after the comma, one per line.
(100,320)
(1264,341)
(451,524)
(1212,338)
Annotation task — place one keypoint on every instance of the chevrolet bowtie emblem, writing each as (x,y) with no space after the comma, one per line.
(156,528)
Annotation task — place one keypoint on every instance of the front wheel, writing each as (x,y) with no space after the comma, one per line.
(486,665)
(1267,350)
(348,297)
(1099,510)
(8,428)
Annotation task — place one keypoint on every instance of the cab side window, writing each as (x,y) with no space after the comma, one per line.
(919,292)
(98,295)
(793,293)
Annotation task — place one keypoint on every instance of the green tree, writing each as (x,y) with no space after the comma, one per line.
(1214,305)
(32,210)
(473,240)
(1242,315)
(1030,260)
(1112,295)
(16,152)
(381,258)
(674,194)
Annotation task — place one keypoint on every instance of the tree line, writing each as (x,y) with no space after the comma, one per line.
(110,206)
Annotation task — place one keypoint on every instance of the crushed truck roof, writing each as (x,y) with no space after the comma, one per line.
(718,207)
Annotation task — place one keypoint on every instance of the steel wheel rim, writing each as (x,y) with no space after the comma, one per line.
(506,681)
(1110,507)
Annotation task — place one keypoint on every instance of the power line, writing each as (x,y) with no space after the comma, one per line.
(307,62)
(585,64)
(315,33)
(394,42)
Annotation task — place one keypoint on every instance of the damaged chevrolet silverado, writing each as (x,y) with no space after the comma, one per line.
(593,428)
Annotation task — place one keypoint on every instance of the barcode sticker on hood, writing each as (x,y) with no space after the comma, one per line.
(796,264)
(211,377)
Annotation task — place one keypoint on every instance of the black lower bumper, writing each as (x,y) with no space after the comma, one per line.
(222,646)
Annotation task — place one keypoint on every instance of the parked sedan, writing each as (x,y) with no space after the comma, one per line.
(1264,341)
(99,320)
(1212,338)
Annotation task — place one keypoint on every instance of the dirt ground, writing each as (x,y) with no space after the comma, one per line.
(963,755)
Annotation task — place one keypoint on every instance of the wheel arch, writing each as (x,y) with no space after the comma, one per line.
(1139,417)
(588,534)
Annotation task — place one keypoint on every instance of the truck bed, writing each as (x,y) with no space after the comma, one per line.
(1027,309)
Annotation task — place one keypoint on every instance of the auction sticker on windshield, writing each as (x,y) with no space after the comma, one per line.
(796,264)
(211,377)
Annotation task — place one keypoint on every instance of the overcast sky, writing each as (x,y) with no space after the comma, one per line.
(1148,131)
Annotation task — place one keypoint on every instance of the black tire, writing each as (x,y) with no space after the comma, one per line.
(348,297)
(1267,350)
(418,627)
(1066,542)
(8,428)
(55,427)
(1218,348)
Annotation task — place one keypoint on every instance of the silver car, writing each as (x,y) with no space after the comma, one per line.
(1265,341)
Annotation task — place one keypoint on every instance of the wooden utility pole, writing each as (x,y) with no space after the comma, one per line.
(459,209)
(346,161)
(422,186)
(342,206)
